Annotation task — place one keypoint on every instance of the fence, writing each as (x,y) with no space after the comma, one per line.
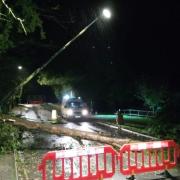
(100,162)
(139,113)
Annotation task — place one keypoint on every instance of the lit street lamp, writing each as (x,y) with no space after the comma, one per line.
(20,67)
(106,14)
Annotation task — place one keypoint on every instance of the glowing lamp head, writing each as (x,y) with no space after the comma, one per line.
(106,13)
(19,67)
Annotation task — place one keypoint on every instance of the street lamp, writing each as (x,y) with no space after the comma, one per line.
(20,67)
(105,14)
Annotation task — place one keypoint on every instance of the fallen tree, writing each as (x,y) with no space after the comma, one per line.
(58,130)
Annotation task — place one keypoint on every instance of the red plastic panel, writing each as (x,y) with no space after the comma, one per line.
(178,154)
(147,156)
(86,163)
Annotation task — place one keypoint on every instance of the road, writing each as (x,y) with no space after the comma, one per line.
(43,141)
(42,114)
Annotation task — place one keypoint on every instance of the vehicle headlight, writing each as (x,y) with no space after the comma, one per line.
(69,112)
(84,112)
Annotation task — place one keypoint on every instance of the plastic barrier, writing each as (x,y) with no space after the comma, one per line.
(178,154)
(85,163)
(94,163)
(148,156)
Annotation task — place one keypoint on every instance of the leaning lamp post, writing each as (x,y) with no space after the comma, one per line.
(106,14)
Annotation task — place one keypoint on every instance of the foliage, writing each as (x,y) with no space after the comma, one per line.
(9,137)
(11,29)
(165,130)
(166,125)
(60,84)
(10,77)
(30,15)
(153,98)
(5,41)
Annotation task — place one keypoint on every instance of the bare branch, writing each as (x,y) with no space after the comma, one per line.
(15,17)
(4,19)
(1,14)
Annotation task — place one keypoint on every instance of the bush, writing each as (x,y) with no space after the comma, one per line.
(164,130)
(9,138)
(166,125)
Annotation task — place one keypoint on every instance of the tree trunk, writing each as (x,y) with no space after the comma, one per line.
(58,130)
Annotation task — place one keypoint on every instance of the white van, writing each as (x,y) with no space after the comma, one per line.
(74,108)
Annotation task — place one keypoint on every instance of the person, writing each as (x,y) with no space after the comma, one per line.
(119,118)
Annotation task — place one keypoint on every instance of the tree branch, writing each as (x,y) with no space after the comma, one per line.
(15,17)
(1,14)
(4,19)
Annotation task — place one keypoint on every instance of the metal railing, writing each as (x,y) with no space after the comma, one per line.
(139,113)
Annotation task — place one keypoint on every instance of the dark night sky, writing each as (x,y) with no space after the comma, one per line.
(142,35)
(141,41)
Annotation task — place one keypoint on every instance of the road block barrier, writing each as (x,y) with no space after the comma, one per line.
(93,163)
(178,154)
(147,157)
(80,164)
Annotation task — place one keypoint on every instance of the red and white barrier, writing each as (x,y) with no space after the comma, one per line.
(80,164)
(178,154)
(93,163)
(147,157)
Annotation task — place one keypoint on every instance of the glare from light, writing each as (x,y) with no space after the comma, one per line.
(106,13)
(54,114)
(84,112)
(66,97)
(69,112)
(20,67)
(28,105)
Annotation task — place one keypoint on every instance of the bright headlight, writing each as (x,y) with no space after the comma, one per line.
(69,112)
(84,112)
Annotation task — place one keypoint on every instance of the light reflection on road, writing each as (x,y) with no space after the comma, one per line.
(83,126)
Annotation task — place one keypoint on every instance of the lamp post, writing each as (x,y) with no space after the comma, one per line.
(106,14)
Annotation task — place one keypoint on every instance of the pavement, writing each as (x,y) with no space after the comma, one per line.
(7,167)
